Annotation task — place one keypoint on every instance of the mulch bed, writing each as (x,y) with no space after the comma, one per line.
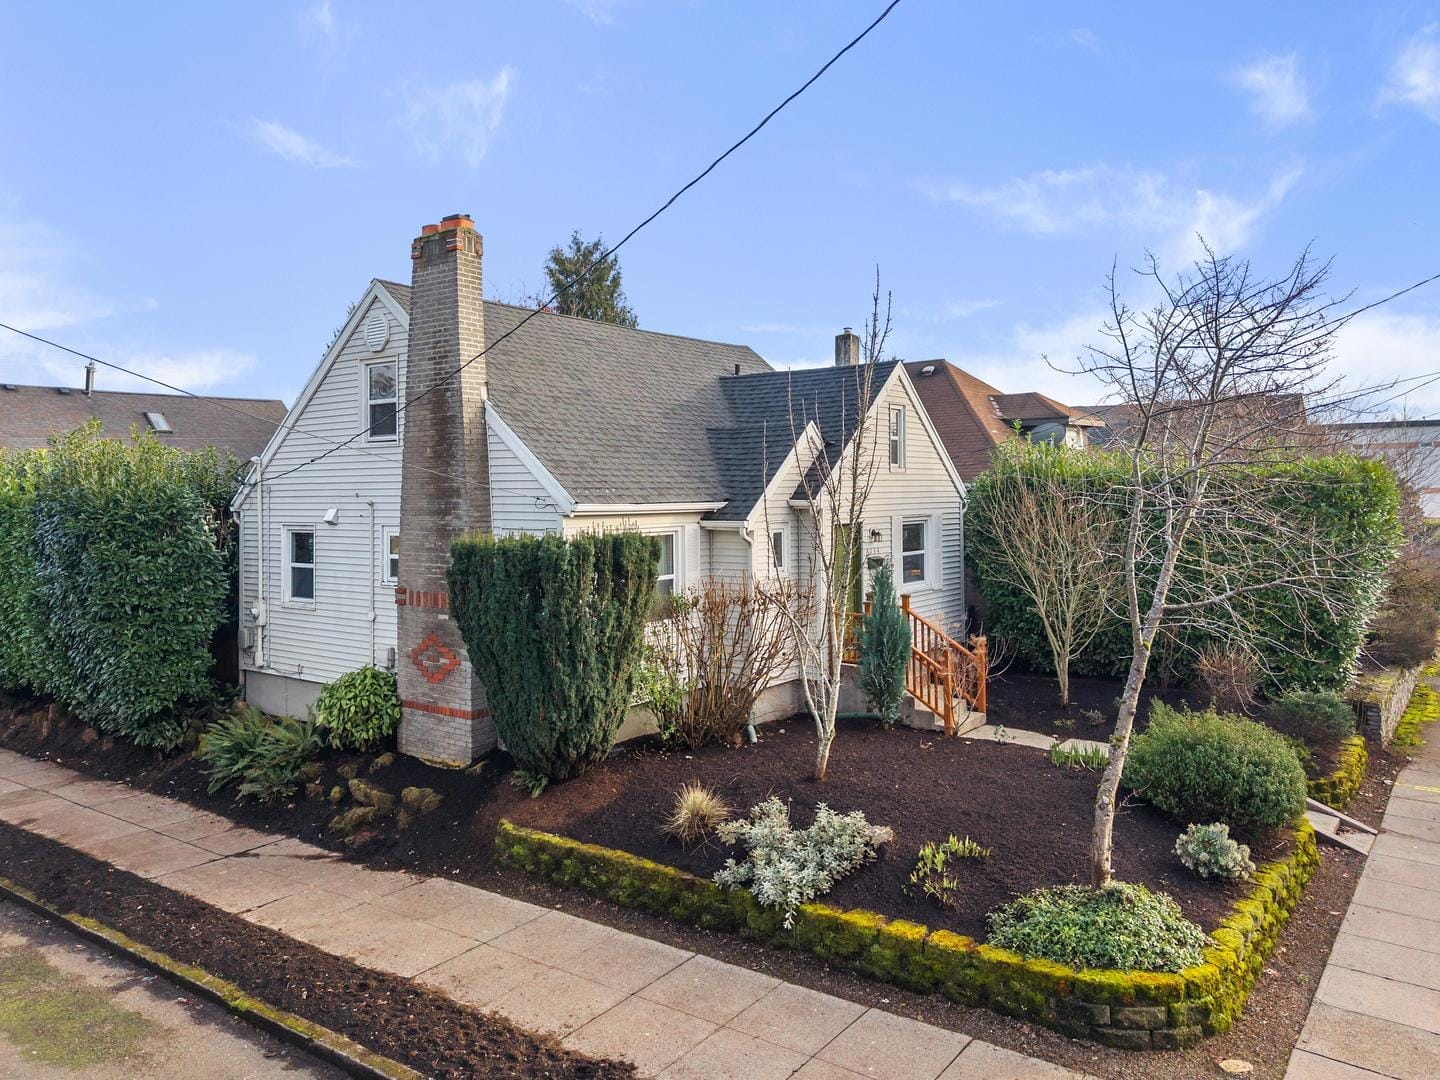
(1032,703)
(457,842)
(389,1015)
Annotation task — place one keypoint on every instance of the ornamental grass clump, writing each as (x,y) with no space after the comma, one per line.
(359,710)
(698,812)
(264,755)
(1208,851)
(1119,925)
(1201,766)
(937,868)
(786,867)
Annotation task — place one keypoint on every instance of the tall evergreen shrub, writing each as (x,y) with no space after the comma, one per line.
(21,612)
(555,630)
(885,645)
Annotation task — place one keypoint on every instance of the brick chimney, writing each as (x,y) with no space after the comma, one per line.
(847,348)
(444,493)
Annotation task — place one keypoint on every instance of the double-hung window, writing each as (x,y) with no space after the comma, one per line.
(897,437)
(913,545)
(667,579)
(390,555)
(380,398)
(300,566)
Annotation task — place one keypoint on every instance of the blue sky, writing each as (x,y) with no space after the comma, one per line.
(200,190)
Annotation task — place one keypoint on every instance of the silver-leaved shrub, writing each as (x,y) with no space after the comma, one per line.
(1209,851)
(786,867)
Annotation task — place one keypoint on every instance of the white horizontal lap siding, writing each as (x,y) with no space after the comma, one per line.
(922,489)
(693,551)
(321,642)
(729,555)
(519,503)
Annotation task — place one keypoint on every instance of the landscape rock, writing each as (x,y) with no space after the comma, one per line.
(312,770)
(367,794)
(384,761)
(314,789)
(356,818)
(337,793)
(421,800)
(349,770)
(1237,1066)
(476,769)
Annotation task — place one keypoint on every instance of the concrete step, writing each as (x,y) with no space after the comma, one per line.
(1323,823)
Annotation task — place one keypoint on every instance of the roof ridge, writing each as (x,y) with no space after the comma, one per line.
(80,390)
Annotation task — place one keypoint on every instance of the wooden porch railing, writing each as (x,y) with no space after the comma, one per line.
(940,672)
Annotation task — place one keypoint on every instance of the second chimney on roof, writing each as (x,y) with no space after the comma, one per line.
(847,348)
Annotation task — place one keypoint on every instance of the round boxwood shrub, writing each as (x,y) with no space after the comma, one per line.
(359,710)
(1118,926)
(1201,766)
(1315,716)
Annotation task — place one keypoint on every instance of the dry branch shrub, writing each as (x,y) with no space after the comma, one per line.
(1229,676)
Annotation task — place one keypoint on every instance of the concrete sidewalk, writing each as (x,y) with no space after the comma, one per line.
(1377,1009)
(602,991)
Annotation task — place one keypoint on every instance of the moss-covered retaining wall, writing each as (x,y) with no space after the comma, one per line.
(1129,1009)
(1422,709)
(1339,787)
(1380,699)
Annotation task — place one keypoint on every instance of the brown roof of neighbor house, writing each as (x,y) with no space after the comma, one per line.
(30,415)
(972,417)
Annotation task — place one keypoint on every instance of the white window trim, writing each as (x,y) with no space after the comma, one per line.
(677,561)
(386,534)
(783,565)
(896,437)
(366,401)
(927,551)
(287,550)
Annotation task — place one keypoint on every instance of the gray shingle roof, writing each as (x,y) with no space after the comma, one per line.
(29,415)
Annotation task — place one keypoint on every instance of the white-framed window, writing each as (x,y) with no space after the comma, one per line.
(914,545)
(299,566)
(380,388)
(778,544)
(390,555)
(897,436)
(668,576)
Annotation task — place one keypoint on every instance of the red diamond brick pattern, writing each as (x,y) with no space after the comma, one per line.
(433,659)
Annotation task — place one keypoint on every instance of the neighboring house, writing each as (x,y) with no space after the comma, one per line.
(30,415)
(561,425)
(1262,419)
(972,417)
(1410,447)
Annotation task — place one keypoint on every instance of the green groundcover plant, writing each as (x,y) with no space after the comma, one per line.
(265,756)
(1120,925)
(359,710)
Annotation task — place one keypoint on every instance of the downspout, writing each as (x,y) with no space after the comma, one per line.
(745,534)
(262,538)
(373,615)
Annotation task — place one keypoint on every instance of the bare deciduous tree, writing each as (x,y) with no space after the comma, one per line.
(837,475)
(1211,381)
(1053,544)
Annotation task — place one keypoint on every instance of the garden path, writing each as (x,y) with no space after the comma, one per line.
(1377,1009)
(602,991)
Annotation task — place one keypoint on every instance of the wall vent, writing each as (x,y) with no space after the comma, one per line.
(377,331)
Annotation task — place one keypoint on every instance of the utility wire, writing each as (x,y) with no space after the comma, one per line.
(604,258)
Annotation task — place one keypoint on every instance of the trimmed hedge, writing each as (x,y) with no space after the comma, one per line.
(1128,1009)
(1301,644)
(113,575)
(1340,786)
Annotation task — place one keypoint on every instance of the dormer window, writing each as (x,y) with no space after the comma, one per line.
(157,422)
(380,400)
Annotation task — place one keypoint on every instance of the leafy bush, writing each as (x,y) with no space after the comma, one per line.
(1209,851)
(114,578)
(1317,716)
(786,867)
(1117,926)
(698,812)
(1228,676)
(1079,757)
(936,874)
(264,755)
(359,710)
(885,646)
(1301,643)
(555,630)
(1201,766)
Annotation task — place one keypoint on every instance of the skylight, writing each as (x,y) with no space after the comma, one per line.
(157,422)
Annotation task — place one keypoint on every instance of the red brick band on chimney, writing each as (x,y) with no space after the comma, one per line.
(446,710)
(424,598)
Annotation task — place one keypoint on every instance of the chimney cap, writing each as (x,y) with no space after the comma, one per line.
(457,221)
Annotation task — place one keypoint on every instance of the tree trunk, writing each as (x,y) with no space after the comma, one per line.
(1062,673)
(822,757)
(1102,840)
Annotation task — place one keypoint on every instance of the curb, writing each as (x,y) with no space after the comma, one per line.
(329,1046)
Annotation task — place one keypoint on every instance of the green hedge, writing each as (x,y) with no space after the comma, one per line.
(113,576)
(1340,786)
(1134,1010)
(1301,643)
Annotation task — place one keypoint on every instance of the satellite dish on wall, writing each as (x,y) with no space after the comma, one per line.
(377,331)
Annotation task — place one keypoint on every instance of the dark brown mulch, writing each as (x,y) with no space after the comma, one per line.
(1010,798)
(387,1014)
(1032,703)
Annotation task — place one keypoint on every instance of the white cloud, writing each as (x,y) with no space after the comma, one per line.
(36,292)
(1160,212)
(292,146)
(1278,92)
(1415,75)
(460,118)
(1382,347)
(317,18)
(1086,39)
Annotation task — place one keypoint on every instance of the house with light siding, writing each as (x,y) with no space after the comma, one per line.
(436,413)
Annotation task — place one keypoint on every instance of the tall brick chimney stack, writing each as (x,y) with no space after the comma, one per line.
(847,348)
(444,493)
